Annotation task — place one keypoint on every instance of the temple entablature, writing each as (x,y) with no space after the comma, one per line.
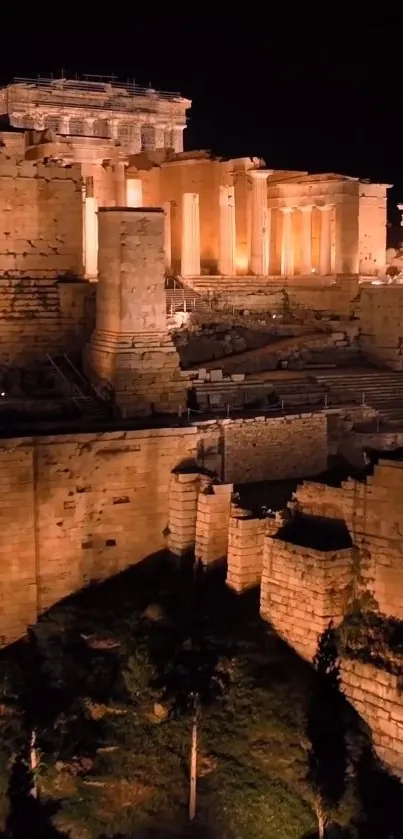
(138,118)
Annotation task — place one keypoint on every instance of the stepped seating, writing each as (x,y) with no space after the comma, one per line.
(380,389)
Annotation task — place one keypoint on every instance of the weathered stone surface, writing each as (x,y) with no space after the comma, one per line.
(131,350)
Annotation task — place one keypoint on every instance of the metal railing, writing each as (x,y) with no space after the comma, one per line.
(52,87)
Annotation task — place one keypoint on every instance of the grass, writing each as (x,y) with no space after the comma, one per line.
(112,765)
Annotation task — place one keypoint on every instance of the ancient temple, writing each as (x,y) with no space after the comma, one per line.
(222,217)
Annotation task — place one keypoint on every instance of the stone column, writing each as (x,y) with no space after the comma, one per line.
(287,252)
(159,136)
(190,258)
(134,192)
(89,126)
(113,125)
(167,236)
(227,240)
(135,140)
(177,138)
(260,224)
(325,239)
(119,172)
(131,351)
(90,232)
(64,125)
(306,244)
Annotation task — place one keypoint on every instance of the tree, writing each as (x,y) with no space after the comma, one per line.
(193,674)
(327,754)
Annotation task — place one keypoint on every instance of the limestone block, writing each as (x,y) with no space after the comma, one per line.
(213,511)
(184,491)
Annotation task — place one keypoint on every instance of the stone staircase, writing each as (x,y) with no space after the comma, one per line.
(78,389)
(183,300)
(380,389)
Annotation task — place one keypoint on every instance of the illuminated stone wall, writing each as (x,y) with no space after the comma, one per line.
(380,311)
(77,508)
(40,317)
(40,220)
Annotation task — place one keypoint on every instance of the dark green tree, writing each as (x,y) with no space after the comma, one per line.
(327,752)
(192,671)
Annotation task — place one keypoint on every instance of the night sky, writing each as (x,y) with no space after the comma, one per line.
(321,97)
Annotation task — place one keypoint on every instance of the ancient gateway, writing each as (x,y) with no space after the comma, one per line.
(174,327)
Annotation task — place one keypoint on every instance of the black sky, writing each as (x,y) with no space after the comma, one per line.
(320,97)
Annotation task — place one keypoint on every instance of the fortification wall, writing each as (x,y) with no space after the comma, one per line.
(381,318)
(84,507)
(373,512)
(303,589)
(377,696)
(41,224)
(40,317)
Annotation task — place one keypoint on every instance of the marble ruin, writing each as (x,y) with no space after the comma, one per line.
(175,326)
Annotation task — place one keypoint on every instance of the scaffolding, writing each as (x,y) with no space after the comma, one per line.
(101,86)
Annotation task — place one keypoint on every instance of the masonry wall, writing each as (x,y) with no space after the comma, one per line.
(373,512)
(372,221)
(78,508)
(40,220)
(260,449)
(302,590)
(377,696)
(43,316)
(381,319)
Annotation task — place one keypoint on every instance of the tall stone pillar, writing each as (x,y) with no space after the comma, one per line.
(260,224)
(325,239)
(89,126)
(190,258)
(131,351)
(167,236)
(287,250)
(177,138)
(135,140)
(90,232)
(227,236)
(134,192)
(119,173)
(64,125)
(159,136)
(113,126)
(306,243)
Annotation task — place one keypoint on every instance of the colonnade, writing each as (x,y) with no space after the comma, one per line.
(135,135)
(260,234)
(292,238)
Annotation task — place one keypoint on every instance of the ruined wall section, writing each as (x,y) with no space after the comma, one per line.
(79,509)
(40,220)
(302,591)
(373,512)
(377,696)
(372,224)
(261,449)
(18,560)
(40,317)
(380,311)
